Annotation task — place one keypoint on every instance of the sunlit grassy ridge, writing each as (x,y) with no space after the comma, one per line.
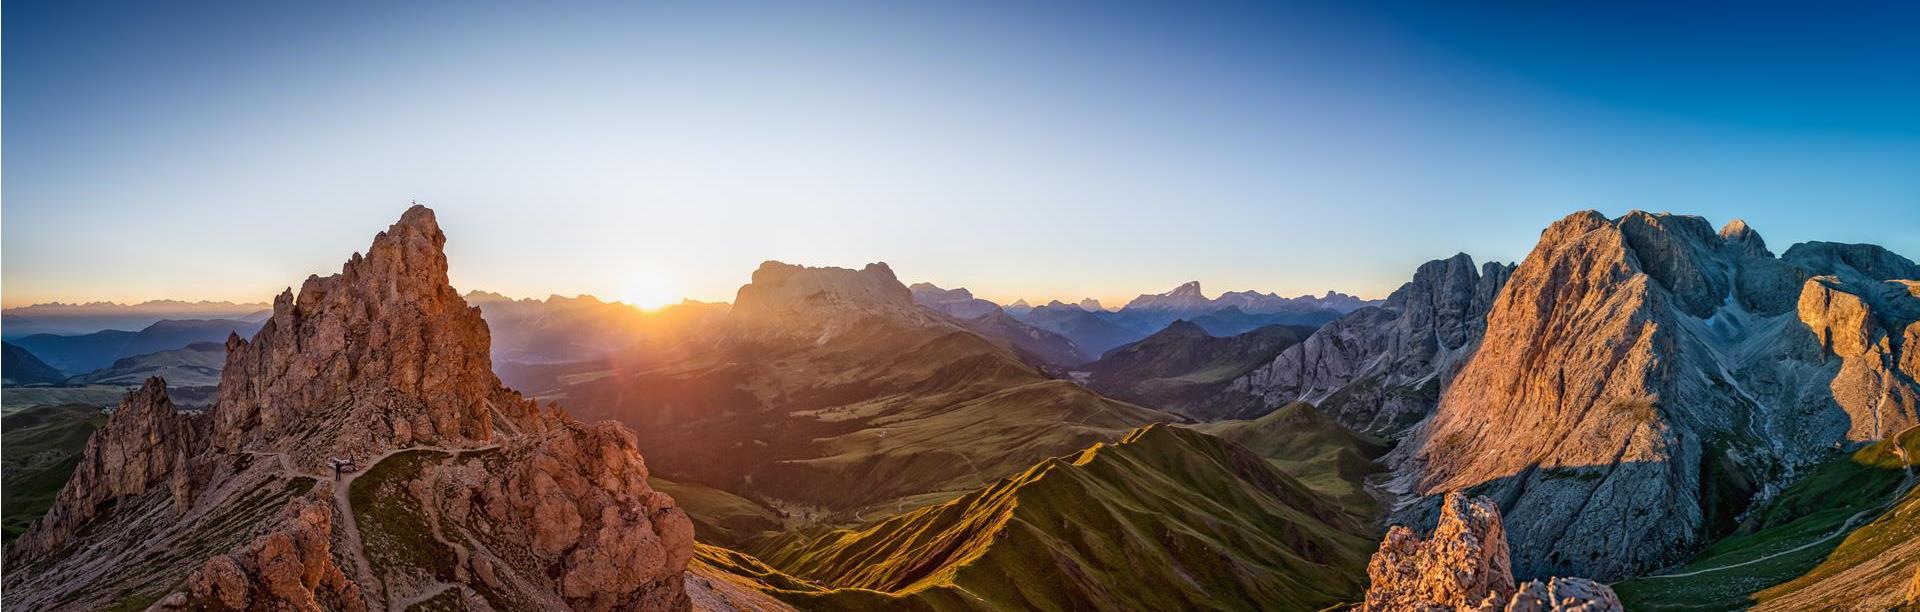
(1168,518)
(1784,550)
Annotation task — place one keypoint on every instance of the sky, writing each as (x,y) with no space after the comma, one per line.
(649,152)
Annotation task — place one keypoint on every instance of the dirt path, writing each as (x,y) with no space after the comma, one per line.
(364,569)
(432,591)
(1899,493)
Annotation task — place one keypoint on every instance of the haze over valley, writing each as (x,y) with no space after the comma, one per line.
(1312,306)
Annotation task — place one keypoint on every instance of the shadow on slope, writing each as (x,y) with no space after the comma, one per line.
(1168,518)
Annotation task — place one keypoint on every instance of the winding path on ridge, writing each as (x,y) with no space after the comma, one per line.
(1899,493)
(344,504)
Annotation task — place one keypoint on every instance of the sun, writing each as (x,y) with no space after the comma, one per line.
(650,293)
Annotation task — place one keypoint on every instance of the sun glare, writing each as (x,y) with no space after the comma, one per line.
(650,294)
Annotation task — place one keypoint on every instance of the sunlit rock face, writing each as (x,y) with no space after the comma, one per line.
(1464,565)
(1641,380)
(383,364)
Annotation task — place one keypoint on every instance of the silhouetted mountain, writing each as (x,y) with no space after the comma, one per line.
(78,319)
(21,367)
(89,352)
(1094,332)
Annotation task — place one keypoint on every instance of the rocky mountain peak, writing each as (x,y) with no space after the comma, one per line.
(1091,305)
(145,445)
(385,365)
(1746,242)
(1187,296)
(384,354)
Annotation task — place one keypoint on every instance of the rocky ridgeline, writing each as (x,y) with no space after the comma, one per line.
(145,446)
(1381,369)
(1464,565)
(237,508)
(1643,380)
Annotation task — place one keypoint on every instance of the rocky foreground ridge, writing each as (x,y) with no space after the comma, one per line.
(1465,565)
(463,491)
(1643,380)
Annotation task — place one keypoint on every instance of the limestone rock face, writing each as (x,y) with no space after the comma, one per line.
(1463,562)
(1642,380)
(146,445)
(289,568)
(1464,565)
(384,354)
(1381,369)
(1871,327)
(383,363)
(576,497)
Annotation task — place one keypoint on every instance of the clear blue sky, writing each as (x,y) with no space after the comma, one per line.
(226,150)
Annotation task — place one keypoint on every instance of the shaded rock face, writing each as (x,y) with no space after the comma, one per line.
(956,303)
(385,354)
(1464,565)
(146,445)
(1381,369)
(382,358)
(1642,380)
(787,302)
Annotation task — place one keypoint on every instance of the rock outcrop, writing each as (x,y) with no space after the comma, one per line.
(385,365)
(1642,380)
(1381,369)
(289,568)
(384,354)
(145,445)
(1464,565)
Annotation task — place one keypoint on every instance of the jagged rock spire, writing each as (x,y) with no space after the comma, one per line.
(383,354)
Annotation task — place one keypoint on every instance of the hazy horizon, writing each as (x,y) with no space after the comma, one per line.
(648,154)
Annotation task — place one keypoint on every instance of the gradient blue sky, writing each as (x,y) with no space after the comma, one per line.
(225,150)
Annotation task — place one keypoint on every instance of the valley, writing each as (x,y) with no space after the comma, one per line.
(835,439)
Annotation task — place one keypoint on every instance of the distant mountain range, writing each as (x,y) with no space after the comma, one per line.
(77,319)
(1096,331)
(97,350)
(1644,403)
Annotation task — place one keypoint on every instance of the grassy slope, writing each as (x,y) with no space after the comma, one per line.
(1307,444)
(1169,518)
(880,417)
(718,516)
(42,445)
(1812,508)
